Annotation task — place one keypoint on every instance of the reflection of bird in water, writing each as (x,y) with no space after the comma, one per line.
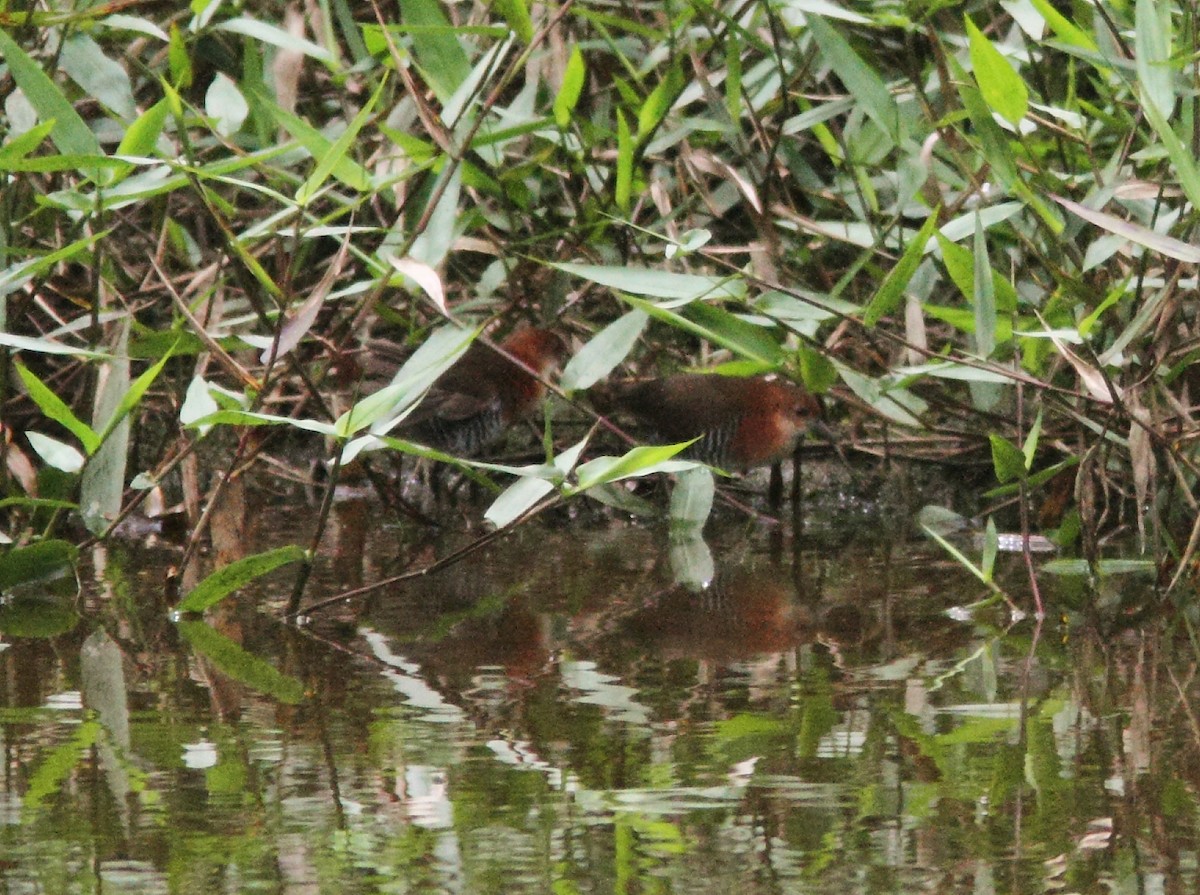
(472,404)
(743,614)
(740,422)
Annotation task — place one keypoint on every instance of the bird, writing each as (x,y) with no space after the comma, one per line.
(471,405)
(740,422)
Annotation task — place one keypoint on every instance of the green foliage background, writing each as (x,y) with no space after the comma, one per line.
(967,221)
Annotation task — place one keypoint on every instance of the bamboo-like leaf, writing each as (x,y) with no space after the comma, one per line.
(957,554)
(18,275)
(984,297)
(225,105)
(1029,449)
(276,36)
(572,87)
(333,159)
(1080,567)
(436,46)
(516,14)
(859,78)
(225,581)
(132,394)
(658,103)
(517,499)
(891,291)
(385,408)
(1007,458)
(991,547)
(692,498)
(1165,245)
(433,245)
(1002,88)
(1064,28)
(1152,46)
(692,563)
(56,409)
(15,151)
(142,135)
(639,461)
(675,288)
(99,76)
(603,352)
(623,188)
(103,481)
(345,169)
(70,133)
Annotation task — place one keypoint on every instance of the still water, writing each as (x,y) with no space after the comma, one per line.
(558,713)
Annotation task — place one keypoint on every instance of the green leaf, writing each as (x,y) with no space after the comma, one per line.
(1031,441)
(1002,88)
(141,137)
(1006,458)
(56,409)
(1080,567)
(37,616)
(995,146)
(639,461)
(240,665)
(859,78)
(275,36)
(603,352)
(658,103)
(345,169)
(103,482)
(21,145)
(692,564)
(1152,47)
(70,133)
(891,291)
(134,393)
(817,371)
(384,408)
(692,498)
(1066,30)
(749,340)
(517,499)
(960,265)
(624,184)
(18,275)
(335,158)
(225,581)
(991,546)
(442,59)
(1158,242)
(676,288)
(957,554)
(516,14)
(99,76)
(37,562)
(571,89)
(984,298)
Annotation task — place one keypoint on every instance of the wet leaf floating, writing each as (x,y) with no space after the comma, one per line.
(223,582)
(232,660)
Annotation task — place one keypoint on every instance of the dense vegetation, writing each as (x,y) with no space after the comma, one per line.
(969,224)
